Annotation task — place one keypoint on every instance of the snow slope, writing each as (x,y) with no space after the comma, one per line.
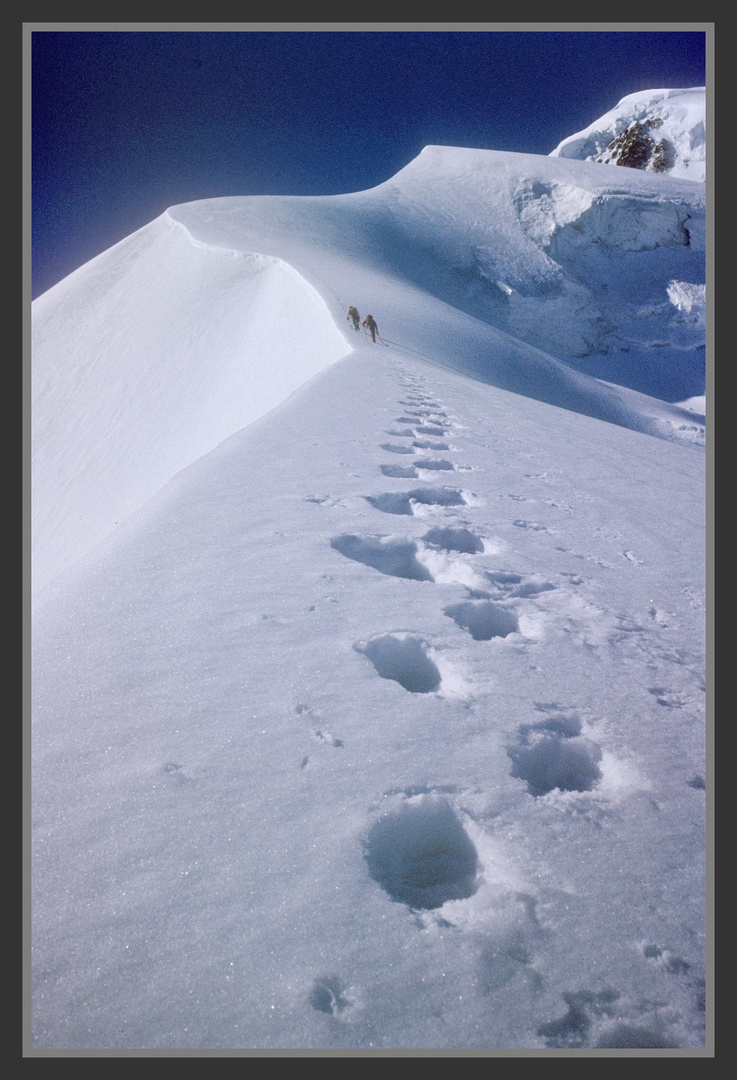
(529,273)
(659,130)
(369,680)
(331,755)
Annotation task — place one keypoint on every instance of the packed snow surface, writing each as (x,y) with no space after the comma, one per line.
(368,679)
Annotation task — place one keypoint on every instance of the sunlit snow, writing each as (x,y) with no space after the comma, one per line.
(369,679)
(671,125)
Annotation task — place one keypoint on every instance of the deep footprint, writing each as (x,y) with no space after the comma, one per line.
(463,540)
(436,464)
(328,995)
(482,619)
(403,472)
(400,502)
(553,754)
(403,658)
(394,448)
(421,854)
(397,558)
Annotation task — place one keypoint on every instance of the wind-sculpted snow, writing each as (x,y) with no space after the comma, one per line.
(541,276)
(567,261)
(144,360)
(559,254)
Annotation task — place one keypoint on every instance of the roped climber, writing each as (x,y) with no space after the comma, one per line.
(353,314)
(369,323)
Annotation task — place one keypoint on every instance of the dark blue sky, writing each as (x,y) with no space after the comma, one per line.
(127,123)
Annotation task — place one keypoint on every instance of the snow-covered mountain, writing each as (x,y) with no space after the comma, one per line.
(368,678)
(578,286)
(662,131)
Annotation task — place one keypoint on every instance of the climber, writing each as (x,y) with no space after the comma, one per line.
(353,314)
(370,324)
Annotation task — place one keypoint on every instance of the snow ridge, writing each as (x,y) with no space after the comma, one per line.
(546,277)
